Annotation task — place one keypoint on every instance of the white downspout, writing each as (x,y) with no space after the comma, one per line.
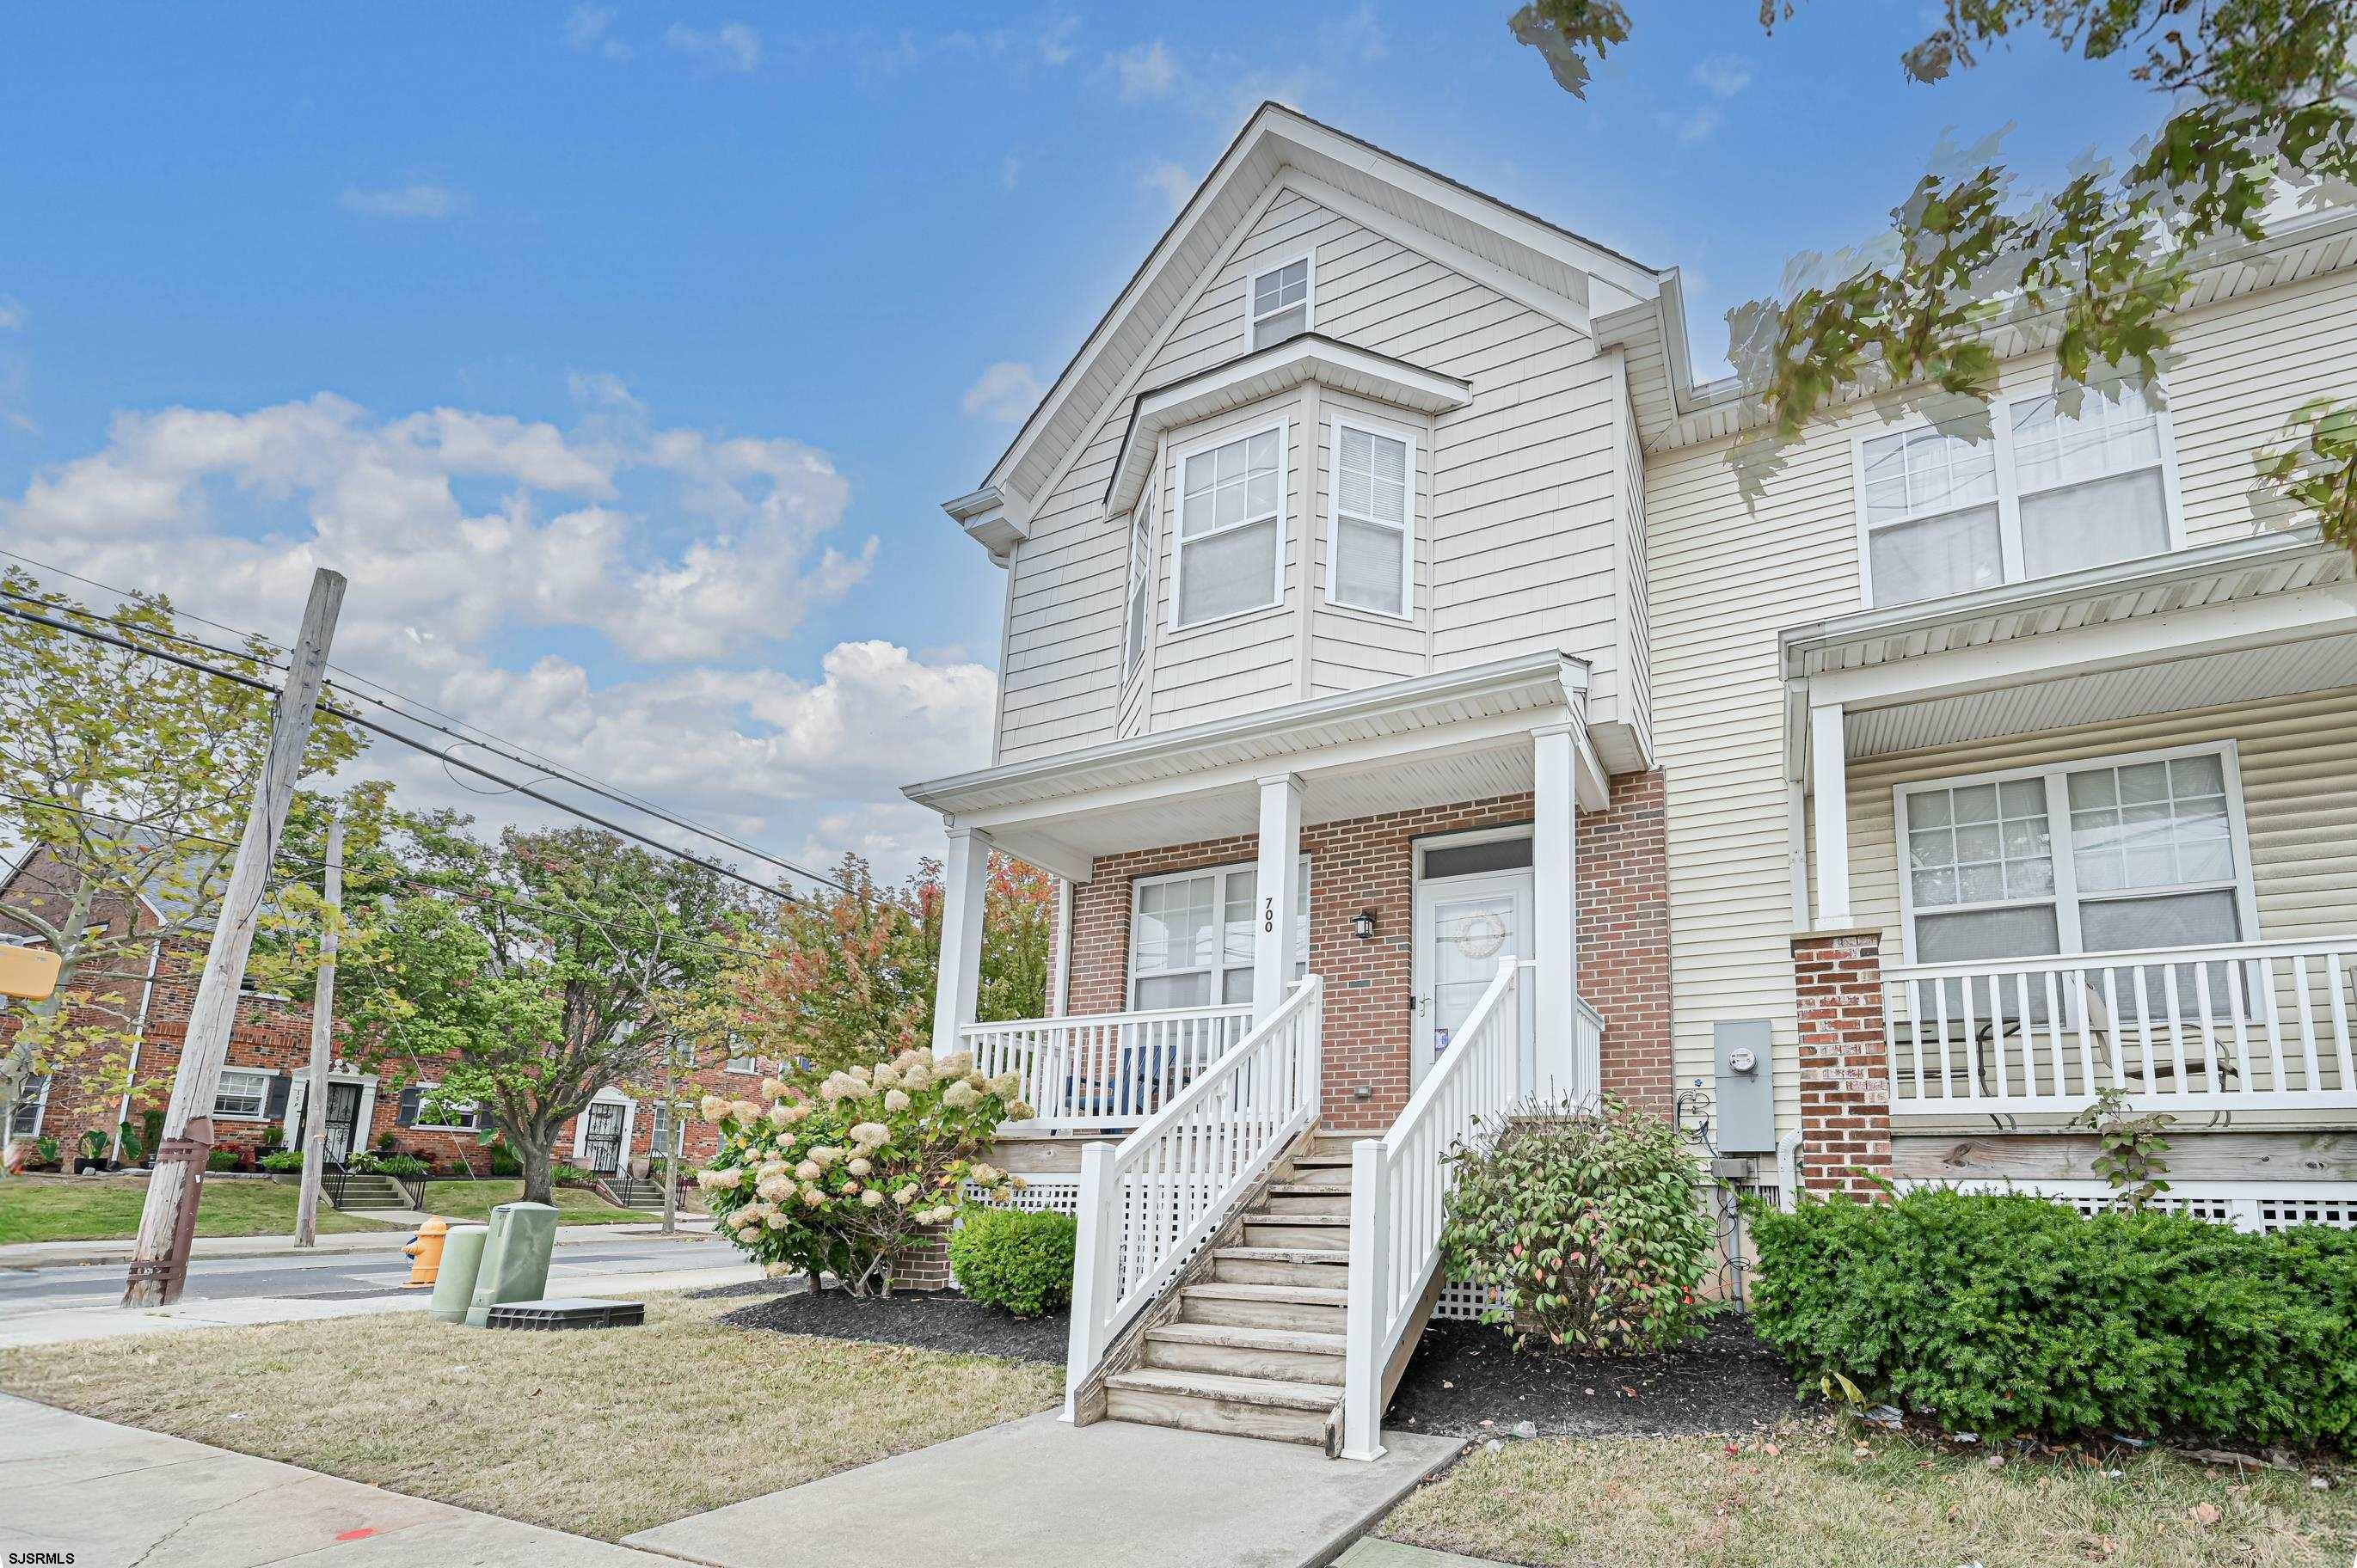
(1788,1171)
(138,1039)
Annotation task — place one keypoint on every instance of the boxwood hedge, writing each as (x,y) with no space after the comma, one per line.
(2009,1315)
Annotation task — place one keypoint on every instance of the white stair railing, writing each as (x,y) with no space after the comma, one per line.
(1146,1206)
(1399,1187)
(1105,1070)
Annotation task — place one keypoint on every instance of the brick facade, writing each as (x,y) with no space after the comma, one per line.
(1845,1063)
(1369,862)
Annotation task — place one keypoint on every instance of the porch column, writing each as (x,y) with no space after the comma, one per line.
(1279,883)
(1829,787)
(966,871)
(1554,911)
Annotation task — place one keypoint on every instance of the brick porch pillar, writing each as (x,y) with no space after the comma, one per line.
(1844,1065)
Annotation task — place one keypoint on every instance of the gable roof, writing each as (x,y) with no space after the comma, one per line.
(1513,242)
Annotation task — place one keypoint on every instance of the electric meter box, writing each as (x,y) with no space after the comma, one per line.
(1747,1087)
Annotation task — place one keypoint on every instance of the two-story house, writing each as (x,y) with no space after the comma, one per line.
(1422,719)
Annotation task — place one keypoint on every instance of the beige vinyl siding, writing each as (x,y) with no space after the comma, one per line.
(2299,761)
(1724,579)
(1517,543)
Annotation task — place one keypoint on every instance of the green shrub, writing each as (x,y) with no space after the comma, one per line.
(281,1162)
(224,1159)
(1004,1257)
(504,1160)
(1588,1227)
(562,1175)
(2006,1315)
(365,1164)
(93,1144)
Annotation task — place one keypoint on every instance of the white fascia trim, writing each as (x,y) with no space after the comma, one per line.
(996,520)
(1563,676)
(1266,373)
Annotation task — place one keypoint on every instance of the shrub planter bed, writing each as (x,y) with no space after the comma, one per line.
(928,1320)
(1467,1374)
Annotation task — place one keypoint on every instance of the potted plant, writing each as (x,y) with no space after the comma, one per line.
(92,1157)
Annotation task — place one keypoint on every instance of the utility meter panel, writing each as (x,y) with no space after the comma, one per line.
(1747,1087)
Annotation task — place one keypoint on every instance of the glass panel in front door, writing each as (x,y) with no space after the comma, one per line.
(1469,936)
(343,1118)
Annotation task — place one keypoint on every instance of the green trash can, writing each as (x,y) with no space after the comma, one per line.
(515,1258)
(454,1286)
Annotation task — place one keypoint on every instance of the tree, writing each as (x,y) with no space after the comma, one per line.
(527,971)
(128,778)
(849,979)
(2262,121)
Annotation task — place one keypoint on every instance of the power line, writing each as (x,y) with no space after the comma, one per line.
(509,750)
(395,735)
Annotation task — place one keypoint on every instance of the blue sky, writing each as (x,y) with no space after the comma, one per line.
(714,295)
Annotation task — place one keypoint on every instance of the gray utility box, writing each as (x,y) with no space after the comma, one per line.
(516,1259)
(1746,1061)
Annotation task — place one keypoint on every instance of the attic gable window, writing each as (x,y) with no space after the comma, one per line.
(1231,543)
(1281,302)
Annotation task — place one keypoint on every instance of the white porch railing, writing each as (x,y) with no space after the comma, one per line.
(2242,1026)
(1105,1070)
(1398,1187)
(1147,1205)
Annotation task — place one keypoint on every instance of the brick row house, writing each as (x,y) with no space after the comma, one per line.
(264,1084)
(1424,713)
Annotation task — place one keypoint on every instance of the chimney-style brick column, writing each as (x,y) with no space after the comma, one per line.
(1845,1063)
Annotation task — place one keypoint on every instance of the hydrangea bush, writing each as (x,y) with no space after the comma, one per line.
(843,1179)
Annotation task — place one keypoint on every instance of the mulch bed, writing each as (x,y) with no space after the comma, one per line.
(929,1320)
(1467,1381)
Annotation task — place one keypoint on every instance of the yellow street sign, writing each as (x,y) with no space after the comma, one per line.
(30,974)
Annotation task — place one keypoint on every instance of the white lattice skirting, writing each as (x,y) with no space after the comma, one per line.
(2258,1206)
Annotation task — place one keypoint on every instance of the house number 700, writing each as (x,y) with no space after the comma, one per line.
(1268,913)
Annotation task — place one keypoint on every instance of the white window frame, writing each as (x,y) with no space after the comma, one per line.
(261,1112)
(425,1098)
(40,1108)
(1280,424)
(1219,966)
(2066,898)
(2009,493)
(1138,611)
(751,1068)
(1386,432)
(1253,319)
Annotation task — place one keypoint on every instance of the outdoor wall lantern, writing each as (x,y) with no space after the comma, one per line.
(1363,925)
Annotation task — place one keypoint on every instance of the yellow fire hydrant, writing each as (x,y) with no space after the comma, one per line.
(425,1250)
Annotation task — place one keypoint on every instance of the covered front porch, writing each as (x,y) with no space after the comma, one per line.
(2104,834)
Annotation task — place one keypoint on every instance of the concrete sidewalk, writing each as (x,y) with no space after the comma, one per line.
(62,1325)
(1037,1493)
(400,1224)
(111,1495)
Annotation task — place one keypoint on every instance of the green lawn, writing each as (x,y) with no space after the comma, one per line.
(1810,1497)
(463,1199)
(92,1208)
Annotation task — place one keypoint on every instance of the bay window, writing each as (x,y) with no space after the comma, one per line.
(2043,493)
(1190,936)
(1230,551)
(1370,535)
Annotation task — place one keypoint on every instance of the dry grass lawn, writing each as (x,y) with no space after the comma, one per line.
(1819,1503)
(600,1434)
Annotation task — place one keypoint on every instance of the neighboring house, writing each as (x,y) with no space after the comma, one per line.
(264,1081)
(1381,604)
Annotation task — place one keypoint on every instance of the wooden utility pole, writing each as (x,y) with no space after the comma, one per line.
(323,1029)
(159,1265)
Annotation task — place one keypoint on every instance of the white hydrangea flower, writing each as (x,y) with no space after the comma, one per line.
(982,1175)
(771,1087)
(896,1099)
(725,1180)
(885,1077)
(905,1195)
(798,1112)
(871,1134)
(859,1166)
(1004,1085)
(870,1198)
(745,1111)
(825,1154)
(780,1114)
(809,1170)
(1021,1110)
(712,1108)
(959,1095)
(916,1080)
(813,1197)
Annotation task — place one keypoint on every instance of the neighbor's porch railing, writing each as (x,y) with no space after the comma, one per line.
(1147,1205)
(1105,1070)
(1399,1184)
(2242,1026)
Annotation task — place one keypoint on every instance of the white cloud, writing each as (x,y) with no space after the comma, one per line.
(1722,76)
(1695,127)
(1008,170)
(12,313)
(589,30)
(691,554)
(1007,390)
(1144,72)
(419,199)
(1056,45)
(1355,35)
(730,47)
(1168,180)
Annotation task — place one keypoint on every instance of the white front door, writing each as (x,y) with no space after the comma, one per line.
(1464,925)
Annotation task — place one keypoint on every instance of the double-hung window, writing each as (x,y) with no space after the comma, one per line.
(1141,585)
(2104,856)
(1190,936)
(1371,536)
(242,1094)
(1282,301)
(1231,543)
(436,1113)
(2043,493)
